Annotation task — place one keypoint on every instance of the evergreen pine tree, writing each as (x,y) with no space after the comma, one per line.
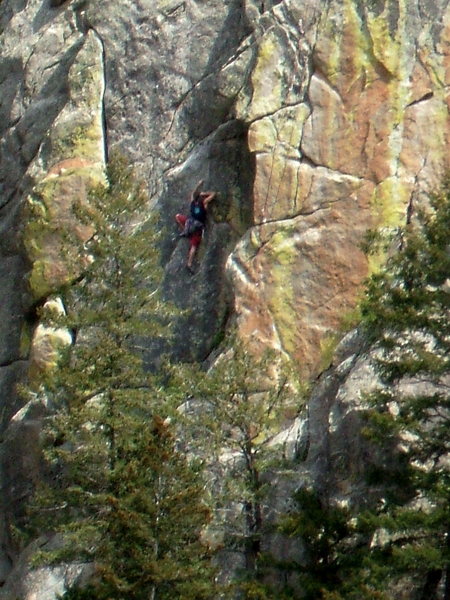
(320,529)
(335,549)
(120,493)
(400,548)
(235,412)
(406,313)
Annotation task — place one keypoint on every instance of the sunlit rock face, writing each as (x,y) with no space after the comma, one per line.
(348,121)
(314,121)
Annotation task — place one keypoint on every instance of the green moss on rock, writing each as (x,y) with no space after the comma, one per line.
(75,161)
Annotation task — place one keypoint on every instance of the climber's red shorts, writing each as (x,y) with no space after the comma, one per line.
(195,238)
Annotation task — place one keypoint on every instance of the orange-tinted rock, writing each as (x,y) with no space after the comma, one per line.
(373,133)
(295,280)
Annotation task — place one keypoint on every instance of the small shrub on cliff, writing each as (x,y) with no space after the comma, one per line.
(120,493)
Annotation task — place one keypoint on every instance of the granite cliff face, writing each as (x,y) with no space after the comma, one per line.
(313,120)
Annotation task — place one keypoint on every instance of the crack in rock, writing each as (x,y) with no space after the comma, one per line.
(424,98)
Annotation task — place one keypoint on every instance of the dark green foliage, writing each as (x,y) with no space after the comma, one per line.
(406,312)
(401,547)
(333,549)
(119,492)
(80,593)
(411,296)
(236,408)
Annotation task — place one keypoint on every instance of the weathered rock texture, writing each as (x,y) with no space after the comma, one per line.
(314,120)
(348,114)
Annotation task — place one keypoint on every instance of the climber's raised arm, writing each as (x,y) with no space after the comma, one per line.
(207,197)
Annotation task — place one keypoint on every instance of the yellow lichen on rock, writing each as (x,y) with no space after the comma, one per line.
(266,80)
(276,142)
(53,236)
(262,135)
(71,161)
(282,301)
(386,44)
(389,201)
(48,342)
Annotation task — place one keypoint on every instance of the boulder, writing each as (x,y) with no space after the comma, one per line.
(42,583)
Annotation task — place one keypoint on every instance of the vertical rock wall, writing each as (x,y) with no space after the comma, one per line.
(347,106)
(52,149)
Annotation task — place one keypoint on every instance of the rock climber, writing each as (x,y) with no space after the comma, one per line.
(192,225)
